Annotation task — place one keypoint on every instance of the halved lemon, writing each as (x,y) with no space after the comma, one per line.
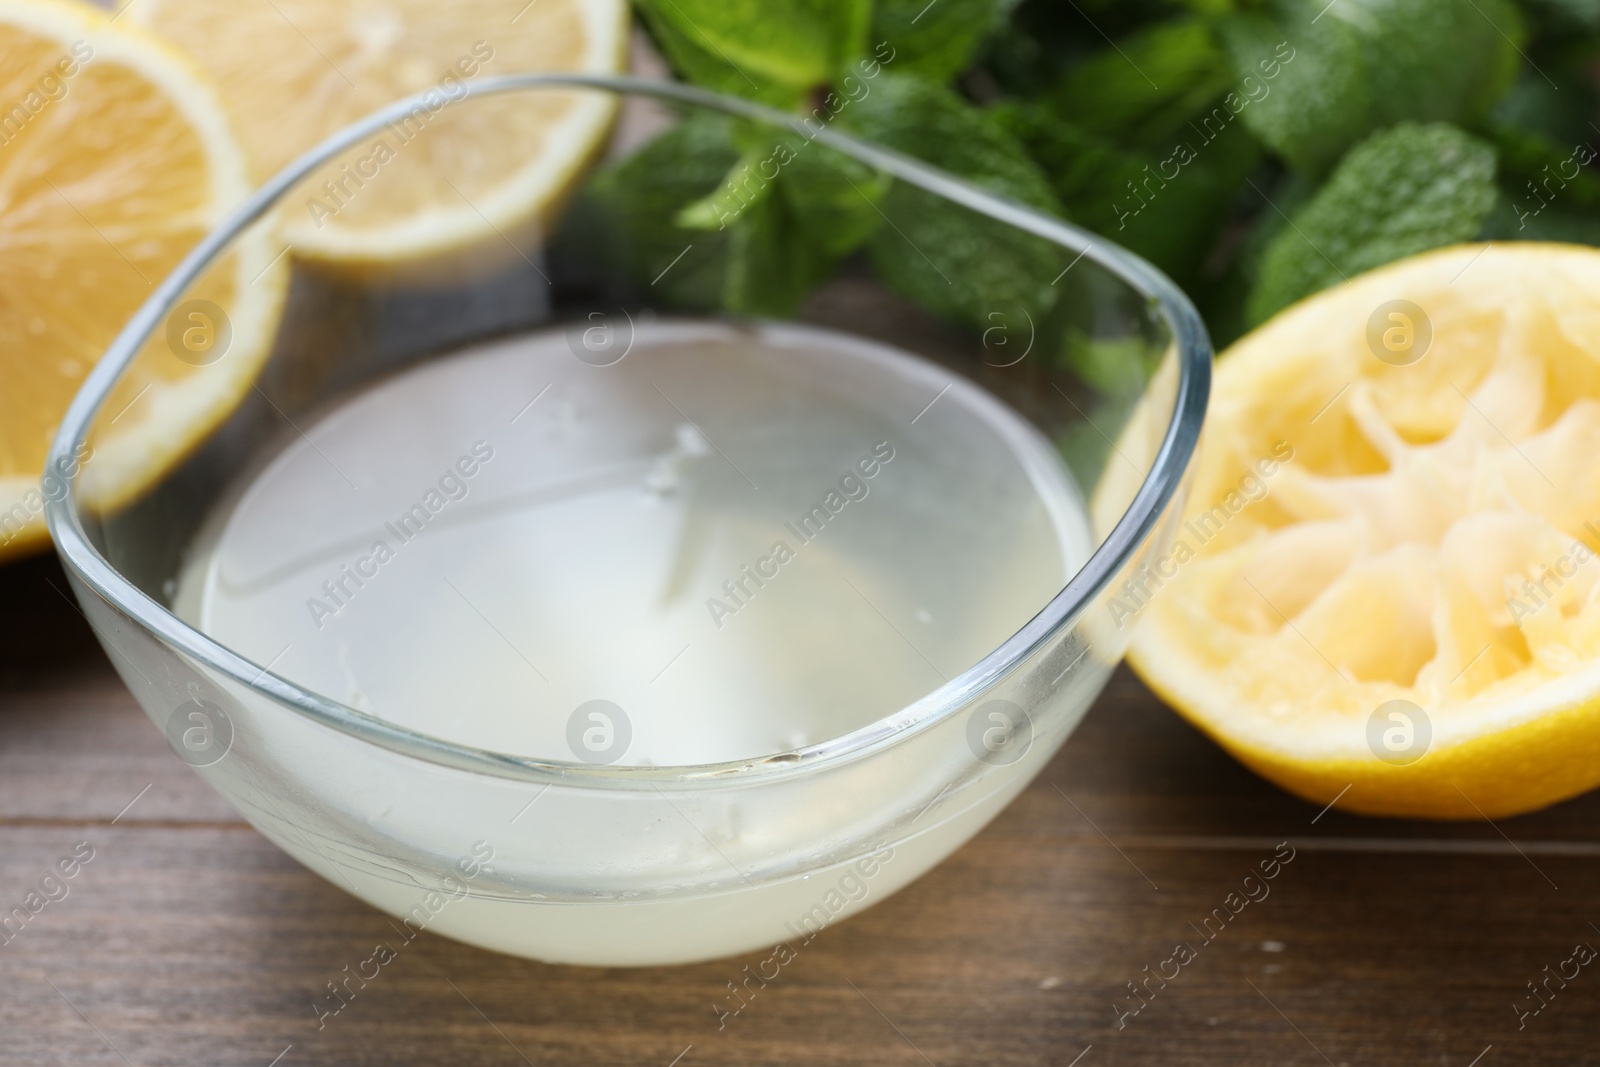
(1385,590)
(115,159)
(449,175)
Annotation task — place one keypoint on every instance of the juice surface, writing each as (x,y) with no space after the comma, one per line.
(741,540)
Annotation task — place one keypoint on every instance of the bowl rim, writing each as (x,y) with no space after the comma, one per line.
(1138,522)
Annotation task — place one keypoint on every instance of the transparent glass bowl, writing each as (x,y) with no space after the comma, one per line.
(576,860)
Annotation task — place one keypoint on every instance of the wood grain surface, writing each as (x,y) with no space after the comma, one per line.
(188,939)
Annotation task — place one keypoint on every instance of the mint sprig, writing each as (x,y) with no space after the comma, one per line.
(1163,124)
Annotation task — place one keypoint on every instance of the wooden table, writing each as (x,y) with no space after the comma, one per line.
(188,939)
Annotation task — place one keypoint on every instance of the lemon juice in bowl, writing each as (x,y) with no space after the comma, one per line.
(733,543)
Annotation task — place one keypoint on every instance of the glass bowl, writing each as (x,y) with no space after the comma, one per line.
(1048,460)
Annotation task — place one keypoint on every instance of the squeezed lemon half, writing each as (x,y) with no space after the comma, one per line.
(1385,588)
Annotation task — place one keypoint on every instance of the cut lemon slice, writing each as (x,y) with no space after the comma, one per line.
(115,159)
(295,71)
(1385,589)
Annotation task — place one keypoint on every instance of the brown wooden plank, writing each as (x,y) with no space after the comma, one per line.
(208,946)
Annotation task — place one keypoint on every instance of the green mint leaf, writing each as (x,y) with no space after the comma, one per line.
(1041,39)
(1165,205)
(1147,88)
(837,200)
(1538,174)
(935,125)
(936,40)
(1402,191)
(1568,14)
(1558,100)
(949,259)
(644,197)
(813,207)
(1212,7)
(771,50)
(1439,60)
(1319,101)
(720,213)
(959,265)
(771,267)
(694,58)
(740,188)
(1347,69)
